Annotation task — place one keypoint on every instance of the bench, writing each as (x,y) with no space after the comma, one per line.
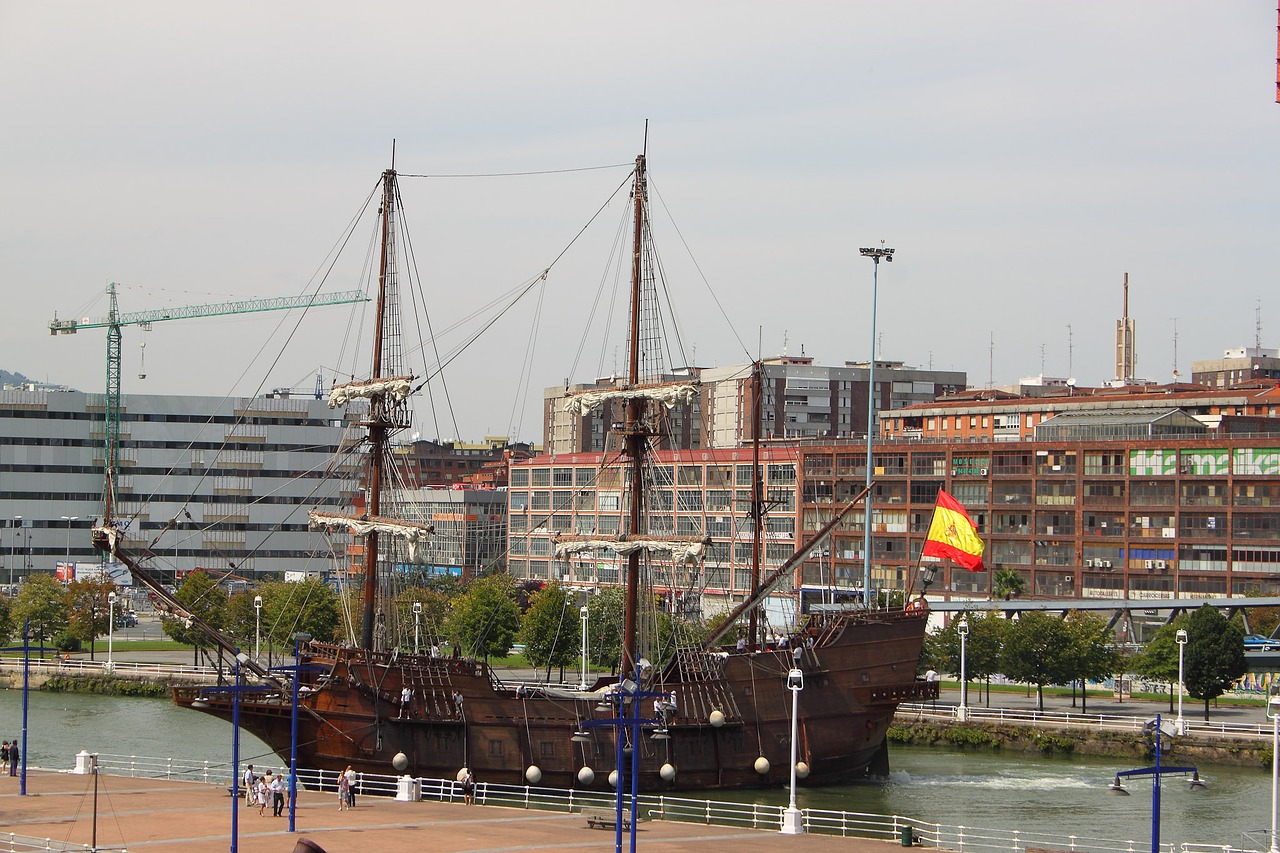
(606,818)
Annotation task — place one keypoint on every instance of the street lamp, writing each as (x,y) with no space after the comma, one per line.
(1273,711)
(1181,637)
(962,712)
(417,614)
(875,255)
(68,519)
(13,547)
(792,821)
(582,685)
(111,627)
(257,625)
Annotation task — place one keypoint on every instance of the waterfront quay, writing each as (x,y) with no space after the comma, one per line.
(155,814)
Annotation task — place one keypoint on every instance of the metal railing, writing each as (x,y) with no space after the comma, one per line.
(651,807)
(1067,719)
(11,842)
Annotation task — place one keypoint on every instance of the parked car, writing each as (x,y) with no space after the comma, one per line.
(1259,643)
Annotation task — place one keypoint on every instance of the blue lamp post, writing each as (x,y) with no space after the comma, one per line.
(1158,732)
(298,640)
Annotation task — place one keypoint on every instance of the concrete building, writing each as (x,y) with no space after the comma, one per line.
(1239,365)
(1127,493)
(208,482)
(801,400)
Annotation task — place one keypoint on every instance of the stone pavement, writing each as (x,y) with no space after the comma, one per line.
(162,816)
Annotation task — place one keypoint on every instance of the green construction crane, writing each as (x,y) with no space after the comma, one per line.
(114,320)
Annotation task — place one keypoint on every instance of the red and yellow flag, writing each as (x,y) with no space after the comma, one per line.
(953,535)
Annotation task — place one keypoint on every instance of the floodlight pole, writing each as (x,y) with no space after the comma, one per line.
(962,711)
(111,629)
(582,685)
(1273,711)
(875,254)
(792,820)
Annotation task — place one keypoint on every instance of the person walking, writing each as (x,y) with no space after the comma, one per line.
(344,788)
(277,795)
(351,787)
(15,755)
(264,793)
(4,757)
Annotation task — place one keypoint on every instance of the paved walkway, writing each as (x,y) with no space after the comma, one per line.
(155,815)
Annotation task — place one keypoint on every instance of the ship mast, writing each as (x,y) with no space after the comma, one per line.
(757,502)
(377,420)
(636,436)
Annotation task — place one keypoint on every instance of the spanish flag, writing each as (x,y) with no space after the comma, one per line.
(953,535)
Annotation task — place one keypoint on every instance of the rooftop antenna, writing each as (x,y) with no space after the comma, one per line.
(1042,361)
(991,361)
(1257,329)
(1070,353)
(784,342)
(1175,348)
(880,345)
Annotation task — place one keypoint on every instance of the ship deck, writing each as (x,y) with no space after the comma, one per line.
(159,815)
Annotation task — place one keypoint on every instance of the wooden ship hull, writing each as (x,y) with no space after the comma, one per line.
(858,667)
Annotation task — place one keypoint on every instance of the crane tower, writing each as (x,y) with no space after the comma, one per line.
(115,320)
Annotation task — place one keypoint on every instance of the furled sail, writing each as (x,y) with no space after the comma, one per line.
(412,532)
(669,396)
(682,550)
(396,389)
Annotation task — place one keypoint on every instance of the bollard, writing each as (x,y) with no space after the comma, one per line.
(908,835)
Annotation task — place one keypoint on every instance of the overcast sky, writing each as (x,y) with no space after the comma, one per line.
(1019,156)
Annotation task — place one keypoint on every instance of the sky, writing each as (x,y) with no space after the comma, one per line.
(1019,157)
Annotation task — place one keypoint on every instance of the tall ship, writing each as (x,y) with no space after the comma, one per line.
(715,701)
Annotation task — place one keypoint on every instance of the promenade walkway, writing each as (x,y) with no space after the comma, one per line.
(155,815)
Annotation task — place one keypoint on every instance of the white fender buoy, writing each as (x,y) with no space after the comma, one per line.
(400,761)
(717,718)
(613,778)
(802,770)
(586,775)
(667,772)
(762,765)
(533,775)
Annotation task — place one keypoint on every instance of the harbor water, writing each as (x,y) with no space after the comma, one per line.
(1010,791)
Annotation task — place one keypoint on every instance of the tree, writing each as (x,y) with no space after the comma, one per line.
(1037,648)
(430,623)
(1007,584)
(291,607)
(1159,659)
(6,620)
(606,613)
(202,597)
(42,605)
(88,609)
(1214,657)
(981,648)
(1093,653)
(484,619)
(550,628)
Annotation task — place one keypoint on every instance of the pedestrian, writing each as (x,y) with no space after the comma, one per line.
(406,696)
(247,781)
(435,650)
(264,793)
(351,787)
(15,755)
(277,795)
(468,787)
(4,757)
(457,701)
(343,788)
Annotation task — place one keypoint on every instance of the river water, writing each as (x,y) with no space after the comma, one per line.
(1009,791)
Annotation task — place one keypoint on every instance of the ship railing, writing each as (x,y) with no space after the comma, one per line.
(1068,719)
